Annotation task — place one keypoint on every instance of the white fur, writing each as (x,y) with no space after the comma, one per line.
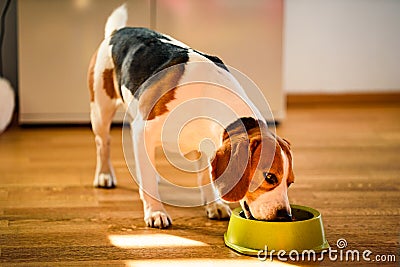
(116,21)
(154,212)
(265,207)
(203,80)
(102,111)
(174,42)
(147,136)
(130,103)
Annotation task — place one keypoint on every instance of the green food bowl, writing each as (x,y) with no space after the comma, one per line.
(249,236)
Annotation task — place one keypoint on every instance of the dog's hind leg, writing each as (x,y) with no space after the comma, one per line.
(104,103)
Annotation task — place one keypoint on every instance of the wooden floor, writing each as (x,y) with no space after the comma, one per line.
(347,164)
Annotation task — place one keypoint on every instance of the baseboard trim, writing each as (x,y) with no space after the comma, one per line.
(383,98)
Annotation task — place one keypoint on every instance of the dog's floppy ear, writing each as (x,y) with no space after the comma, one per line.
(231,170)
(285,146)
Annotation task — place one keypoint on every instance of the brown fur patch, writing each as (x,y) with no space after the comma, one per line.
(276,168)
(161,106)
(108,83)
(271,161)
(285,145)
(245,148)
(153,101)
(232,178)
(91,76)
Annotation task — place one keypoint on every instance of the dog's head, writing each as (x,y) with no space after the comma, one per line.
(255,168)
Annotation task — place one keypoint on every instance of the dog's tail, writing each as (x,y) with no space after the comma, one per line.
(116,20)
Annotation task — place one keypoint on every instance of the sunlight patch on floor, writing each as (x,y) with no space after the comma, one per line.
(153,241)
(206,263)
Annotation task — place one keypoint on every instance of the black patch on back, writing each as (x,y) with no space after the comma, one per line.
(217,61)
(248,123)
(139,53)
(243,125)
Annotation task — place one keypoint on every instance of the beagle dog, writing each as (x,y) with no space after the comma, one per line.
(159,74)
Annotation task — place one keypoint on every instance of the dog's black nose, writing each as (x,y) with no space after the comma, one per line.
(283,216)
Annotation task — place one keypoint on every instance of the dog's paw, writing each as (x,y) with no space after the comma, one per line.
(158,219)
(105,180)
(218,211)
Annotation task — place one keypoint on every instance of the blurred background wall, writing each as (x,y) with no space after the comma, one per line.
(329,46)
(10,46)
(341,46)
(58,38)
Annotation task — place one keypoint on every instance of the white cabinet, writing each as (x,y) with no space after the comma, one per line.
(57,39)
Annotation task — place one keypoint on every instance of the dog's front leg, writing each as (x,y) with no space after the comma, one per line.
(215,208)
(154,212)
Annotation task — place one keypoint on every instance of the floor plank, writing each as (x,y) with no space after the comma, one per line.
(346,165)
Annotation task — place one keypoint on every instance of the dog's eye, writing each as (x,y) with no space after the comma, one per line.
(270,178)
